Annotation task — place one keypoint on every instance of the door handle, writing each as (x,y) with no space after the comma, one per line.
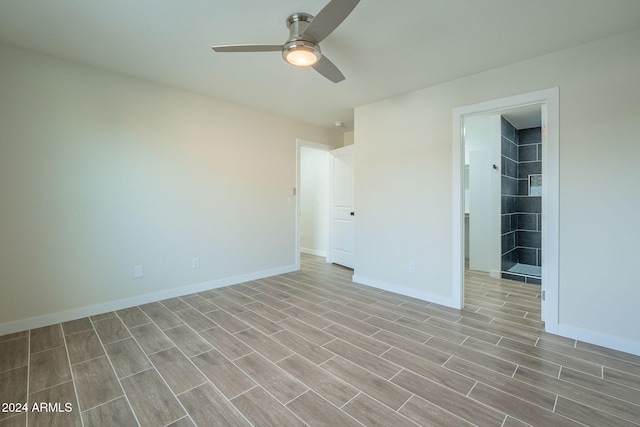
(352,213)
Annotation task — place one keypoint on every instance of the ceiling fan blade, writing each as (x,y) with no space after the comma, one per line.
(248,48)
(329,18)
(328,70)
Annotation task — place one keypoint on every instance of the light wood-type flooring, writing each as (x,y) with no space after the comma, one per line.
(313,348)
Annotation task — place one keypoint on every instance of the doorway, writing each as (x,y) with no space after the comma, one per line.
(547,101)
(312,199)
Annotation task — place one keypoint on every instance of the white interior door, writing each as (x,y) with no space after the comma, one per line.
(342,213)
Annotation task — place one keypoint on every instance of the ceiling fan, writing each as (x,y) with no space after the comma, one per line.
(305,33)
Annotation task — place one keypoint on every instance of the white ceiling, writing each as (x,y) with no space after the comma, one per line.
(526,117)
(384,47)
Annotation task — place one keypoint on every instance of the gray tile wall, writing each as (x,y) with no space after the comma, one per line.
(521,213)
(529,233)
(509,184)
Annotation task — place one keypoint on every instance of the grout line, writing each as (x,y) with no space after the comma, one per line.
(205,382)
(104,349)
(356,395)
(153,366)
(50,348)
(472,387)
(102,404)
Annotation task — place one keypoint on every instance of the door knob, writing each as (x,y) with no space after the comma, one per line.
(352,213)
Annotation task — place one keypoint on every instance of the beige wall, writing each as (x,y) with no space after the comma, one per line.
(404,184)
(348,138)
(100,172)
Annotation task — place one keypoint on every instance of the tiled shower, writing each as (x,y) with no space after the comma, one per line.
(521,203)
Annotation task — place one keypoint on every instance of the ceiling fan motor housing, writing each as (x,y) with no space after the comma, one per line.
(298,43)
(297,24)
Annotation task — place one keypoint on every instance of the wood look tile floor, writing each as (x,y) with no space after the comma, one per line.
(313,348)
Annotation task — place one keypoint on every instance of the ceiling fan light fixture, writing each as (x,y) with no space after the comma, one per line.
(301,53)
(305,33)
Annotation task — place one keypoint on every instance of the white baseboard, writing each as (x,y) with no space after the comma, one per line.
(409,292)
(51,319)
(314,252)
(597,338)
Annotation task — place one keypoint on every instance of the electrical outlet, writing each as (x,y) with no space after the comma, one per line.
(195,263)
(138,272)
(412,267)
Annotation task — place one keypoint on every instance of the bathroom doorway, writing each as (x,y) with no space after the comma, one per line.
(492,164)
(503,193)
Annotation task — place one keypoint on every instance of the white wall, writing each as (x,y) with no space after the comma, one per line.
(404,189)
(314,200)
(477,134)
(100,172)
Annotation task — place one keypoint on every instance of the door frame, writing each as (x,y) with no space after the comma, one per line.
(549,100)
(296,191)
